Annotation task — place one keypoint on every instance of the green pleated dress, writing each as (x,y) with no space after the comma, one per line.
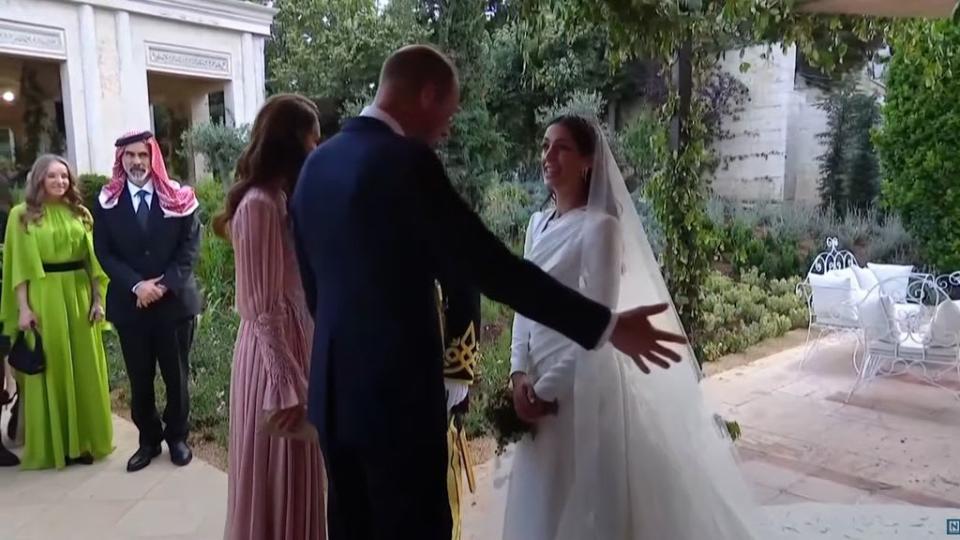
(67,407)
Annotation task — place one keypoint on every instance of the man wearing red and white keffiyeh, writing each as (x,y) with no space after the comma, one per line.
(147,236)
(175,200)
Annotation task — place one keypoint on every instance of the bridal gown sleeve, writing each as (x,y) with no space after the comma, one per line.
(602,251)
(520,338)
(258,236)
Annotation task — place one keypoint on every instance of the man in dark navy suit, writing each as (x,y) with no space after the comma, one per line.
(147,237)
(376,222)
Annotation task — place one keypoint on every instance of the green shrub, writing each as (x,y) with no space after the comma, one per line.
(210,364)
(739,314)
(641,143)
(90,186)
(505,211)
(494,366)
(211,196)
(215,268)
(215,271)
(920,136)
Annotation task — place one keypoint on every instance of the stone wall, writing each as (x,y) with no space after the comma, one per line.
(753,160)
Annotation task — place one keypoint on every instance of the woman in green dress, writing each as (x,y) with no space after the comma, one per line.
(52,282)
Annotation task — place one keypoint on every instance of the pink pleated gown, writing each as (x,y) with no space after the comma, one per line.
(275,484)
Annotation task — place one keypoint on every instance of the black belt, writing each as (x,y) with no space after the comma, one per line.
(72,266)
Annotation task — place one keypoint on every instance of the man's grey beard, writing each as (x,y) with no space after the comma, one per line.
(138,177)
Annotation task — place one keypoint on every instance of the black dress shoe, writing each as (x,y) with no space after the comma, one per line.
(143,457)
(85,459)
(8,458)
(180,453)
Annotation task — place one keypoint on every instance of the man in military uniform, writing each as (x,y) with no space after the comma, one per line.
(459,306)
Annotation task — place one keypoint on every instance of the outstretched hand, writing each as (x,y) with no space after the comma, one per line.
(636,336)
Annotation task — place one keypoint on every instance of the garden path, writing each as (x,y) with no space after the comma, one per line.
(104,502)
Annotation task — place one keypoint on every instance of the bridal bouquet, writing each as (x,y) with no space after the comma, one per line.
(507,426)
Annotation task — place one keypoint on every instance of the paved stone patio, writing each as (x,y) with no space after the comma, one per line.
(883,466)
(104,502)
(886,465)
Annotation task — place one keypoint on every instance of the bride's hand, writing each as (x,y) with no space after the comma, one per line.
(529,407)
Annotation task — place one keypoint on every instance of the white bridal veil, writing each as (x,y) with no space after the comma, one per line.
(651,462)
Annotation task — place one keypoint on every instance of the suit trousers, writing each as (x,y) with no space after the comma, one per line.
(146,345)
(396,492)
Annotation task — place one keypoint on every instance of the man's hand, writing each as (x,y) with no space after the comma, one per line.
(149,292)
(635,336)
(529,407)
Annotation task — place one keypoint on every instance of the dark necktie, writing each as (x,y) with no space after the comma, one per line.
(143,209)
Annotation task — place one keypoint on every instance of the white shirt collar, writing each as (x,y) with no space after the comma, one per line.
(372,111)
(134,189)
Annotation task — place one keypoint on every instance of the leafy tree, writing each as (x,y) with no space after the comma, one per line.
(863,176)
(332,50)
(832,161)
(221,144)
(475,151)
(920,136)
(543,66)
(849,170)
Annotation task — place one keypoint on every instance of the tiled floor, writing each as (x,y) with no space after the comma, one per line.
(886,465)
(104,502)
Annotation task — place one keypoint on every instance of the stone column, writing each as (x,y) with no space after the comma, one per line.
(133,78)
(199,114)
(249,78)
(74,120)
(91,88)
(260,84)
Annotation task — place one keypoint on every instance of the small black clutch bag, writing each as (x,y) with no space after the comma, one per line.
(25,360)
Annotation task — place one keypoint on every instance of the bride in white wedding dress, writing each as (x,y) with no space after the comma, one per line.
(618,454)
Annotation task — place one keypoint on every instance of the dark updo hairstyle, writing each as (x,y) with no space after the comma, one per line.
(581,130)
(584,138)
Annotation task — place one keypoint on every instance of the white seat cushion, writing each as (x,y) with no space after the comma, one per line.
(894,279)
(834,298)
(945,328)
(865,277)
(877,318)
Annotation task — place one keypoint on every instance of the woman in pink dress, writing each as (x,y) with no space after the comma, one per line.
(275,482)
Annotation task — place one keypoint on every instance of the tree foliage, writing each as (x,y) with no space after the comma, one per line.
(920,136)
(220,144)
(332,50)
(849,170)
(657,29)
(475,152)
